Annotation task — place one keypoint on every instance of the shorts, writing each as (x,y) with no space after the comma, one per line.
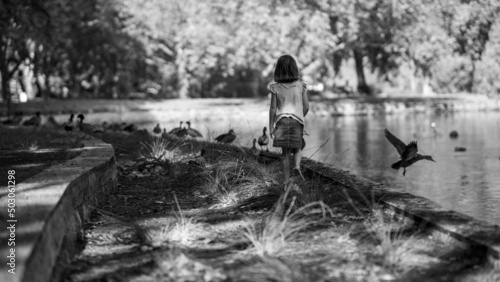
(288,133)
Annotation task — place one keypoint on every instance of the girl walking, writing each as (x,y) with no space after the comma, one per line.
(289,106)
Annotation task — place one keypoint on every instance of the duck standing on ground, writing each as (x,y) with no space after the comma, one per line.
(115,126)
(176,130)
(254,149)
(264,140)
(129,128)
(33,121)
(68,126)
(192,132)
(87,128)
(164,134)
(15,120)
(157,129)
(226,137)
(105,126)
(182,133)
(408,152)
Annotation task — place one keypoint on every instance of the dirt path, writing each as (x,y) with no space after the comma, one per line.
(224,217)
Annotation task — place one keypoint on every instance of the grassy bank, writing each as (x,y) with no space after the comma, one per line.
(188,210)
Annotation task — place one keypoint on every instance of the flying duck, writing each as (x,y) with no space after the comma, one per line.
(408,152)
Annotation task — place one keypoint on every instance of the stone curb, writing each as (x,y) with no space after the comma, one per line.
(422,210)
(51,204)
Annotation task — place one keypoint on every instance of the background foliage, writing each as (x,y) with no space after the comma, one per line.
(201,48)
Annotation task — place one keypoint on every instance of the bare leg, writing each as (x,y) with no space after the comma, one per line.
(286,164)
(297,157)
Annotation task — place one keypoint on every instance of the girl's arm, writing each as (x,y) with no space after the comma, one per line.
(272,115)
(305,103)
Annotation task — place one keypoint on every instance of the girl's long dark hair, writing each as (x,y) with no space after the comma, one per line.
(286,69)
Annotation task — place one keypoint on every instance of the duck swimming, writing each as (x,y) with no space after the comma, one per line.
(408,152)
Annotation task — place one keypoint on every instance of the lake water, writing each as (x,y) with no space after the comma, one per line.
(468,182)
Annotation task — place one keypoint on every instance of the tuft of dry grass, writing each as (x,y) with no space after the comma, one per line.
(181,231)
(314,191)
(157,149)
(394,246)
(33,146)
(226,180)
(30,145)
(270,236)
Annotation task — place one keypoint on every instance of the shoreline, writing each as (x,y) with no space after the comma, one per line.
(348,106)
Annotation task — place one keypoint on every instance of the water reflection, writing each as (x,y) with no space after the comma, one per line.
(468,182)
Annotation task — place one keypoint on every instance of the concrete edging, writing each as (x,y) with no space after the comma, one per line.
(422,210)
(51,204)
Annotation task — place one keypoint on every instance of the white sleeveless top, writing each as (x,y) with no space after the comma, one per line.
(289,100)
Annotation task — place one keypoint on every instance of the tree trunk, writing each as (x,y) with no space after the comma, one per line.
(360,72)
(472,77)
(4,72)
(38,75)
(6,88)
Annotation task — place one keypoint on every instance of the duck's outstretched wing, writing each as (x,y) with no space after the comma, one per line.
(410,151)
(400,146)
